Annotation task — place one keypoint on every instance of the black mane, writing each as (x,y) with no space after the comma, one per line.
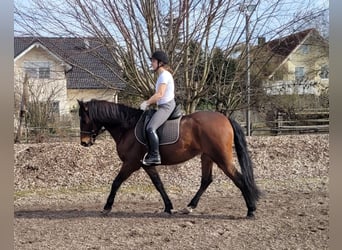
(113,113)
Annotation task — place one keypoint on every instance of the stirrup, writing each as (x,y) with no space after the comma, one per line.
(150,163)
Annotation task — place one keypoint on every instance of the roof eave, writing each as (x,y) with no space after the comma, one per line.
(40,45)
(287,57)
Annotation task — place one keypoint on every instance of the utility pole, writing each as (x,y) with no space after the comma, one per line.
(247,10)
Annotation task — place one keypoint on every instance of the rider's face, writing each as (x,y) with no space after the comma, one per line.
(154,64)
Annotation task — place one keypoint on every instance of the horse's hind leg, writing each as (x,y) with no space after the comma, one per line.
(229,169)
(152,172)
(206,179)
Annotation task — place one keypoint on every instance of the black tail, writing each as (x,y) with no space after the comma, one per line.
(245,161)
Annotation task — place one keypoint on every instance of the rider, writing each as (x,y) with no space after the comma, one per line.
(164,97)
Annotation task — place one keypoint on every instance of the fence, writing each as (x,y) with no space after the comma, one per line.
(285,127)
(279,126)
(304,123)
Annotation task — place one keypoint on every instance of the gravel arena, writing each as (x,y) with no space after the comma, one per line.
(61,188)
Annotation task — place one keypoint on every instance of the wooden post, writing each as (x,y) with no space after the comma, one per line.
(23,110)
(279,121)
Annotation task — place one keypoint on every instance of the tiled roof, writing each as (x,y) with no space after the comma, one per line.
(285,45)
(94,58)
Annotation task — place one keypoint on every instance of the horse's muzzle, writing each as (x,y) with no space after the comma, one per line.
(87,144)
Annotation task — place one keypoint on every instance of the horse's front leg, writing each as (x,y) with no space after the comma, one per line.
(152,172)
(125,171)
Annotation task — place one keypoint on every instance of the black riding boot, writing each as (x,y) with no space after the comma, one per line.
(153,156)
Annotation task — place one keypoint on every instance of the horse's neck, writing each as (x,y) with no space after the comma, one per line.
(116,132)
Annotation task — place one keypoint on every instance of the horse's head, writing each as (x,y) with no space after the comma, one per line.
(89,130)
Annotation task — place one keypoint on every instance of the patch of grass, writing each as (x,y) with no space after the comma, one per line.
(84,189)
(45,192)
(149,188)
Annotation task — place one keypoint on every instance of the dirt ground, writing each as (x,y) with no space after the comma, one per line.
(60,189)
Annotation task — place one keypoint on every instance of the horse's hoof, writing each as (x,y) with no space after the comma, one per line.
(167,212)
(186,210)
(174,211)
(250,216)
(105,212)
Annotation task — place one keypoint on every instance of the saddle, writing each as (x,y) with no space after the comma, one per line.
(168,133)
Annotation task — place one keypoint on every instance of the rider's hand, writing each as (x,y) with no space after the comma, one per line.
(143,105)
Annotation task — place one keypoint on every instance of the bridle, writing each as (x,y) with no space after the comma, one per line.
(93,133)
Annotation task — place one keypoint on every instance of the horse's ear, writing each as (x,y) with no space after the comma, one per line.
(79,102)
(82,105)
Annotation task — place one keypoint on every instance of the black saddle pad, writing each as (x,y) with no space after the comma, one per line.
(168,133)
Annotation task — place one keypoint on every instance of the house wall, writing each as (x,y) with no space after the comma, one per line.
(88,94)
(56,85)
(42,89)
(312,60)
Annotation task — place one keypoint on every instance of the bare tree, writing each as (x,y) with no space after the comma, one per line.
(38,103)
(187,30)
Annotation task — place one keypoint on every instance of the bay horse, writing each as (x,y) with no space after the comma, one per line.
(208,133)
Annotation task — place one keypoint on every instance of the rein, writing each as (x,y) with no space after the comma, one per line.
(87,132)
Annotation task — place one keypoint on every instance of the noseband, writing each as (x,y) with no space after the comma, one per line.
(92,133)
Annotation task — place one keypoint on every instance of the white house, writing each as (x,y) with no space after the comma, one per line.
(62,70)
(298,63)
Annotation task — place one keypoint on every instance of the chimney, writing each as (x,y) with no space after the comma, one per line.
(261,40)
(86,43)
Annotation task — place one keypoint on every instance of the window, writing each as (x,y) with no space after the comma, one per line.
(44,72)
(305,49)
(54,106)
(324,73)
(39,70)
(299,73)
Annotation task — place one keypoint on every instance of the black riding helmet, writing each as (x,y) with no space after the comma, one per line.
(160,56)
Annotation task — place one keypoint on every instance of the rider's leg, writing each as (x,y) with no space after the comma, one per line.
(160,116)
